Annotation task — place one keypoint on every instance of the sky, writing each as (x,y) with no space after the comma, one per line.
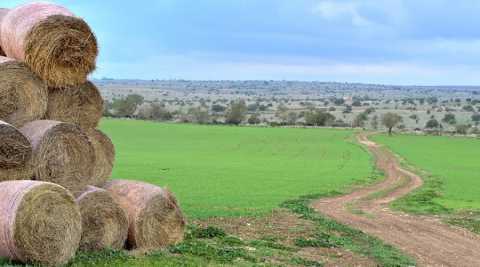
(424,42)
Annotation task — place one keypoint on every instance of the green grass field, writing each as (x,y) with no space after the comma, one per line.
(453,167)
(230,171)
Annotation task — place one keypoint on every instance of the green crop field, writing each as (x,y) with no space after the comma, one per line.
(229,171)
(451,162)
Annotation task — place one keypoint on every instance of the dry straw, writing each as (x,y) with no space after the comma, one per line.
(3,13)
(23,95)
(40,223)
(104,222)
(155,218)
(82,105)
(15,154)
(104,156)
(62,154)
(58,46)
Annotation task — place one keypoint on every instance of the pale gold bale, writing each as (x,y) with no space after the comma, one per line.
(56,45)
(104,222)
(154,215)
(40,223)
(23,95)
(62,154)
(104,156)
(15,154)
(82,105)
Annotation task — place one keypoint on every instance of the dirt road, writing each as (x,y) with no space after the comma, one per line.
(430,241)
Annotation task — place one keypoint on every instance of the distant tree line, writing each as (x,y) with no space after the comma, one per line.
(234,113)
(238,112)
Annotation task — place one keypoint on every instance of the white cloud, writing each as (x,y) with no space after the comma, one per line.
(333,10)
(364,13)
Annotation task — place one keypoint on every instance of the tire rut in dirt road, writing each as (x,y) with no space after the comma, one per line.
(429,241)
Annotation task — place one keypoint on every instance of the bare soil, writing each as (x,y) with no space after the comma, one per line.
(427,239)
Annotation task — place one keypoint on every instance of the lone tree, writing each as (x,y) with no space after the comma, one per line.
(319,118)
(127,107)
(390,120)
(254,119)
(433,124)
(449,118)
(236,112)
(462,129)
(374,122)
(360,120)
(199,115)
(476,118)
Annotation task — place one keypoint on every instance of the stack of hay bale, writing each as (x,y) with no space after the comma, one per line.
(55,197)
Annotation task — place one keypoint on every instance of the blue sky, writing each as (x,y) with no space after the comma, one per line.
(378,41)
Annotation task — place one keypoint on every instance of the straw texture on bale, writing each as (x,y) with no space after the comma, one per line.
(23,95)
(40,223)
(58,46)
(15,154)
(82,105)
(62,154)
(104,156)
(104,222)
(155,218)
(3,13)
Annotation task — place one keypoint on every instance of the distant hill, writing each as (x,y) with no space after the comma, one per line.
(275,85)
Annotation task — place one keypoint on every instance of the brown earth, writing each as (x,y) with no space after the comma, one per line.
(427,239)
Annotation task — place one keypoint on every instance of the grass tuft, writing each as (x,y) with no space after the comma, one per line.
(467,219)
(320,240)
(305,262)
(270,244)
(208,232)
(212,251)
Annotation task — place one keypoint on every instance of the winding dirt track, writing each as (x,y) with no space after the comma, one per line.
(430,241)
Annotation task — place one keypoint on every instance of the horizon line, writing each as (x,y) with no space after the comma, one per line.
(270,80)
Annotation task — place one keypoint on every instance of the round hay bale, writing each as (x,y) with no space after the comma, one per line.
(23,95)
(82,105)
(155,218)
(58,46)
(3,13)
(104,155)
(15,154)
(40,223)
(62,154)
(104,222)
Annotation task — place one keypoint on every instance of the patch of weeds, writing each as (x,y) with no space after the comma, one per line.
(375,176)
(211,251)
(349,238)
(101,256)
(385,192)
(320,240)
(304,262)
(207,232)
(231,241)
(468,219)
(422,200)
(270,238)
(269,244)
